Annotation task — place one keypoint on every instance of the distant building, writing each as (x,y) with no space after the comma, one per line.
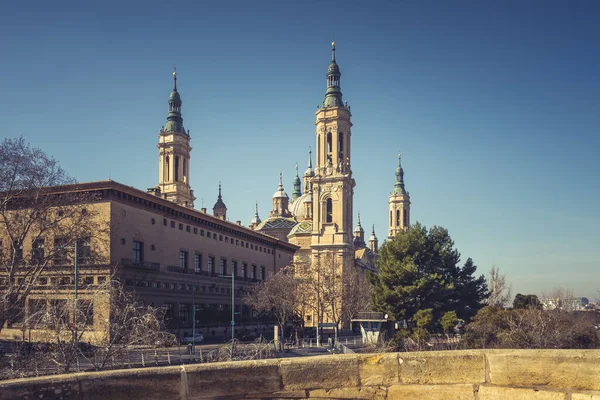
(566,304)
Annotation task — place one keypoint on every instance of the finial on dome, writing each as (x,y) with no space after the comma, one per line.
(174,78)
(333,51)
(280,178)
(399,157)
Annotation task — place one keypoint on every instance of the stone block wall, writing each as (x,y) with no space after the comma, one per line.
(469,375)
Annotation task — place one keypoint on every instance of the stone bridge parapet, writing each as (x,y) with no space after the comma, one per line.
(468,375)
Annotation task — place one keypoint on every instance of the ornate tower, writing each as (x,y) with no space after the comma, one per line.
(220,209)
(174,155)
(333,185)
(373,242)
(399,205)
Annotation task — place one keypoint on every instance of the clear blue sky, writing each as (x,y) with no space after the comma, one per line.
(494,105)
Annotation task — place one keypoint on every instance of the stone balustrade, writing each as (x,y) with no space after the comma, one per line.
(468,375)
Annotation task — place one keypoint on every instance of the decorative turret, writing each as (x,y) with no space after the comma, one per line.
(399,204)
(297,186)
(256,220)
(308,174)
(359,234)
(373,242)
(333,95)
(220,209)
(280,201)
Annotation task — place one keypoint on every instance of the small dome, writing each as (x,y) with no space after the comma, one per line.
(219,204)
(298,208)
(174,97)
(333,69)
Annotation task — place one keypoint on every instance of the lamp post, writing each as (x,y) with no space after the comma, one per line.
(232,276)
(193,319)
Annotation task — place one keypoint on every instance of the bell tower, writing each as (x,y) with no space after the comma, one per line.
(174,155)
(399,203)
(333,185)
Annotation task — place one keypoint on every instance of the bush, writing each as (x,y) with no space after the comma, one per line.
(531,328)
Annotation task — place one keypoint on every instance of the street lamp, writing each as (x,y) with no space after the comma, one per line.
(232,276)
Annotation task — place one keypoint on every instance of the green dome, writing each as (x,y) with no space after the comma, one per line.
(174,97)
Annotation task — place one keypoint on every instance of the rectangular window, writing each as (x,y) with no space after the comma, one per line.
(254,272)
(84,251)
(211,264)
(221,238)
(244,270)
(262,273)
(201,232)
(164,221)
(88,280)
(37,251)
(138,252)
(195,231)
(85,313)
(234,269)
(183,260)
(169,311)
(184,313)
(60,251)
(172,224)
(223,267)
(187,228)
(180,227)
(197,262)
(18,248)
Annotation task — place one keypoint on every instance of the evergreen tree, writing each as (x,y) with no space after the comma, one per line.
(419,270)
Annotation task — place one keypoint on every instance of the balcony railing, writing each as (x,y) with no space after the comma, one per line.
(203,273)
(140,264)
(177,268)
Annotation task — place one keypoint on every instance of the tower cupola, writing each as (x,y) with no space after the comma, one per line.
(373,242)
(256,220)
(359,234)
(297,186)
(174,119)
(280,201)
(220,209)
(399,185)
(333,95)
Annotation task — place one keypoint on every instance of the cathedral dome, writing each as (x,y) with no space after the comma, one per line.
(297,207)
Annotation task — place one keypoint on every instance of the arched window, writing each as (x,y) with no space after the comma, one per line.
(341,146)
(397,217)
(391,217)
(405,218)
(176,168)
(329,210)
(166,171)
(184,168)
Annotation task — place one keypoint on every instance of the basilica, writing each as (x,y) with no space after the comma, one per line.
(318,217)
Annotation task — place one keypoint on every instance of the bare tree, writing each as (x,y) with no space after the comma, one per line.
(356,295)
(277,296)
(500,289)
(41,222)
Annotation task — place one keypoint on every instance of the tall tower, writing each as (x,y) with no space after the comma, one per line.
(333,185)
(399,203)
(220,209)
(174,155)
(297,186)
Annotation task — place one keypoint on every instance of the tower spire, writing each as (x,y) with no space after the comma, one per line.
(174,78)
(297,192)
(174,119)
(333,95)
(399,185)
(220,209)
